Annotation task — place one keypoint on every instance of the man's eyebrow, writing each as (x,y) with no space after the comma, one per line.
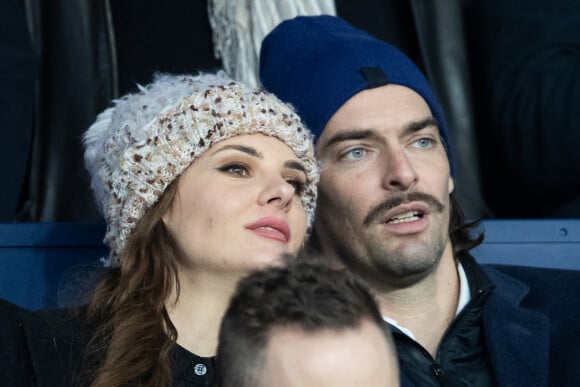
(347,135)
(242,148)
(293,164)
(418,125)
(359,134)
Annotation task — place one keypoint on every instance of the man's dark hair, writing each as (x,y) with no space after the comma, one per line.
(309,296)
(464,235)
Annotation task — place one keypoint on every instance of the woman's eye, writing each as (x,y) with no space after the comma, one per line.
(354,154)
(237,169)
(424,143)
(298,185)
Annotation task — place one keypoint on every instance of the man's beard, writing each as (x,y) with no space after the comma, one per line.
(386,268)
(386,265)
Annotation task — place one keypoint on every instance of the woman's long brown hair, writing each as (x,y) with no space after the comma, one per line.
(127,310)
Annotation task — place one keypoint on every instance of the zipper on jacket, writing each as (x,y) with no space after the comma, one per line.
(438,372)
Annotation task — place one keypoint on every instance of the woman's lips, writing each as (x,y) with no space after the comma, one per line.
(271,228)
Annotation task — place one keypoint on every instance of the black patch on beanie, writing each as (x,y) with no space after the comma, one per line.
(375,76)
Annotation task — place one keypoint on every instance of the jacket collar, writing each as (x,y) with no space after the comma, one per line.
(517,338)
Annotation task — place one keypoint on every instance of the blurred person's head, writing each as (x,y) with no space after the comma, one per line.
(304,325)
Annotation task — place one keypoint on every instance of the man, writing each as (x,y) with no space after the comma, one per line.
(386,211)
(304,326)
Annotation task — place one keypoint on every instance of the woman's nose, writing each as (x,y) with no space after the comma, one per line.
(277,191)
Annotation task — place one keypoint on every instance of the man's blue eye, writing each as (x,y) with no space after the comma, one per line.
(424,143)
(354,154)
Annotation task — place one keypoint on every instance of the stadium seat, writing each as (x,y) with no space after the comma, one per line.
(48,264)
(42,263)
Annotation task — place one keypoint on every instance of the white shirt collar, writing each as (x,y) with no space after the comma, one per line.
(464,293)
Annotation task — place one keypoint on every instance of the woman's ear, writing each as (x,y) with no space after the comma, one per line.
(165,218)
(170,203)
(169,216)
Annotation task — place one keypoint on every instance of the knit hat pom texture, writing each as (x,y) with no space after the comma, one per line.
(136,148)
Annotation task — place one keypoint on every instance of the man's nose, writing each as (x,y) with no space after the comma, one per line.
(399,172)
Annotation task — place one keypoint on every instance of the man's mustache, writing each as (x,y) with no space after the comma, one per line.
(377,211)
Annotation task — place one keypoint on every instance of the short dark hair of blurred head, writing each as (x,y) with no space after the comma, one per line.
(307,297)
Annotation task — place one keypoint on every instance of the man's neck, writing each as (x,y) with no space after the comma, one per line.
(428,307)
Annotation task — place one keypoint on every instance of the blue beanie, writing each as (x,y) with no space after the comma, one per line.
(317,63)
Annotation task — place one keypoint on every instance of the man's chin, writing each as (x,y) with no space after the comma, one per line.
(406,265)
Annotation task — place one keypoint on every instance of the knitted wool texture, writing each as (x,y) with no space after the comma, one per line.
(135,149)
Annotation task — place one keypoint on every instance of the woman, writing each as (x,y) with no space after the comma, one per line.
(201,180)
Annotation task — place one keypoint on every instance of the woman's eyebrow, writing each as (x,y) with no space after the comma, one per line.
(293,164)
(242,148)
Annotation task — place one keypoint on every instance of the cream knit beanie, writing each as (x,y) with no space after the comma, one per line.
(136,148)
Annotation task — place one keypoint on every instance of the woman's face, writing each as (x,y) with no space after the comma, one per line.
(238,207)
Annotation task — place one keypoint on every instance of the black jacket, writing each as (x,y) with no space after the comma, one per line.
(527,334)
(46,349)
(462,358)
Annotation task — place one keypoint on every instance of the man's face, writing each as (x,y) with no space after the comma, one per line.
(358,357)
(383,207)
